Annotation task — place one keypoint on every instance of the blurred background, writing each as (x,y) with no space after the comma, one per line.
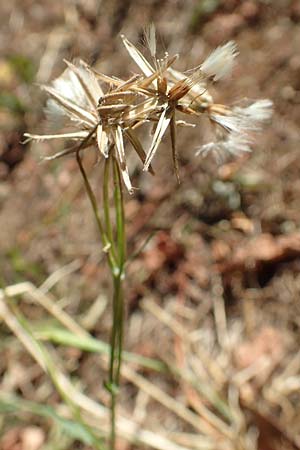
(214,293)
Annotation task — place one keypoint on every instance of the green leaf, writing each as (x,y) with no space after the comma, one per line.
(91,344)
(15,405)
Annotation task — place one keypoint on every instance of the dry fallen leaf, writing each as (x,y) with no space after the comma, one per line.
(248,254)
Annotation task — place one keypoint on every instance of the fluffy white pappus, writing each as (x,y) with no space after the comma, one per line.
(150,36)
(232,123)
(55,114)
(244,120)
(88,81)
(77,84)
(232,144)
(258,112)
(220,62)
(74,95)
(69,87)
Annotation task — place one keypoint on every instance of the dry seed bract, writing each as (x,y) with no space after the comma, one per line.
(102,110)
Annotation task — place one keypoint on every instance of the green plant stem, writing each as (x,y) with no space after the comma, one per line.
(121,241)
(118,302)
(106,205)
(119,206)
(103,235)
(115,246)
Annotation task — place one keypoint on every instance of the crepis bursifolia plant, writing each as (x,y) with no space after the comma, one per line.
(93,110)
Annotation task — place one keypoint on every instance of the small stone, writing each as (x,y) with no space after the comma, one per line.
(288,93)
(32,438)
(249,10)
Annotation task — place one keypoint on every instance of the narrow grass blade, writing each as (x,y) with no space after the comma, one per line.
(45,137)
(162,125)
(102,141)
(174,149)
(129,83)
(16,405)
(114,81)
(93,345)
(140,111)
(136,144)
(137,57)
(120,153)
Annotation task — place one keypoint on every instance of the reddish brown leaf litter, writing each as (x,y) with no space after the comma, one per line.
(252,253)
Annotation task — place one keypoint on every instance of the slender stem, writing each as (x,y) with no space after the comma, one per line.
(121,241)
(113,372)
(106,206)
(118,302)
(105,240)
(106,200)
(120,218)
(115,245)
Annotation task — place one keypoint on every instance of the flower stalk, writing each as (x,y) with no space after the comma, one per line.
(118,298)
(115,247)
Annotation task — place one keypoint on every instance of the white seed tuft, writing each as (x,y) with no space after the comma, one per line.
(232,144)
(220,62)
(69,87)
(243,120)
(258,112)
(150,36)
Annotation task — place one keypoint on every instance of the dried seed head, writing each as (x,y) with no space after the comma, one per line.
(107,117)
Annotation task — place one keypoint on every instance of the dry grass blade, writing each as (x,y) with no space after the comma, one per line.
(173,143)
(140,111)
(102,141)
(94,413)
(144,83)
(162,125)
(113,81)
(163,316)
(111,110)
(220,313)
(137,57)
(13,324)
(135,142)
(177,407)
(43,137)
(120,153)
(129,83)
(46,302)
(76,336)
(124,96)
(192,441)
